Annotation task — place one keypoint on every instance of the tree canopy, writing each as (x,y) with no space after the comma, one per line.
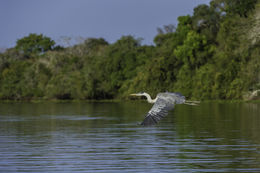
(34,44)
(210,54)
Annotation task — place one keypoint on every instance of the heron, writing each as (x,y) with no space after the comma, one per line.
(163,103)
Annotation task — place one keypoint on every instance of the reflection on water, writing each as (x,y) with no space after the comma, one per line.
(105,137)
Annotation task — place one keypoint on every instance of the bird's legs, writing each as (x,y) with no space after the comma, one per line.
(193,103)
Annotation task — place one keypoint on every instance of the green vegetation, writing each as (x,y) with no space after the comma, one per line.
(212,54)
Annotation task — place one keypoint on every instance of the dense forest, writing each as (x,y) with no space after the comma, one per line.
(212,54)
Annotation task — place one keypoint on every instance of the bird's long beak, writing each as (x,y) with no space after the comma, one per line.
(133,95)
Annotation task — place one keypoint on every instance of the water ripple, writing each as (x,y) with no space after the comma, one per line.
(96,142)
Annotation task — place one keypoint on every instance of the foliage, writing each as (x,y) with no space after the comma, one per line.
(240,7)
(34,44)
(233,7)
(208,55)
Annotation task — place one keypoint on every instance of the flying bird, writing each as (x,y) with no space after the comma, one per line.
(163,103)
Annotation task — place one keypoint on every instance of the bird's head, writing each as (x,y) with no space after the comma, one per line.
(138,94)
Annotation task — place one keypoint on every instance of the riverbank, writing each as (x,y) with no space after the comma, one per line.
(117,101)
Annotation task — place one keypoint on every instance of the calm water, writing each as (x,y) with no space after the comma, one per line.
(105,137)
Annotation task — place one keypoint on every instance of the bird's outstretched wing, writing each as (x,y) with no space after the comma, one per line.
(158,111)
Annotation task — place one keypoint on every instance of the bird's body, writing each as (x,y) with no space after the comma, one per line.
(163,103)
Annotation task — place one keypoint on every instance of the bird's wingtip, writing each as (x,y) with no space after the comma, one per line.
(149,121)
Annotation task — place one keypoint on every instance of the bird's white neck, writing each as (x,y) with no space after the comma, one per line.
(149,99)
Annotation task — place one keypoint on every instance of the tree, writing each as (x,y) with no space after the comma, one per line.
(34,44)
(240,7)
(172,34)
(206,20)
(191,52)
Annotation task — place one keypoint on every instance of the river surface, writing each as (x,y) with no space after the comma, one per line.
(106,137)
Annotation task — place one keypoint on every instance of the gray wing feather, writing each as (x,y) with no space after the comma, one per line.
(159,110)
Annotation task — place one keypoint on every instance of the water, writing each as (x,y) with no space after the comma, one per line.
(106,137)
